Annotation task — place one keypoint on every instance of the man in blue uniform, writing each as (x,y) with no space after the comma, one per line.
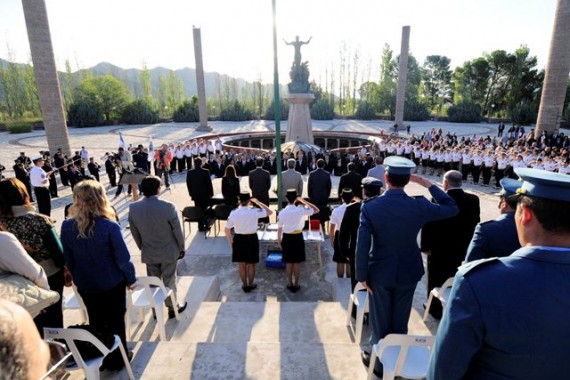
(497,237)
(388,259)
(508,317)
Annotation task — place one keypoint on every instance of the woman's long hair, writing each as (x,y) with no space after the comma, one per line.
(89,202)
(13,192)
(230,172)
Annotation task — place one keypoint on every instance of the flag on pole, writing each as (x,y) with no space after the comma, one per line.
(150,149)
(121,140)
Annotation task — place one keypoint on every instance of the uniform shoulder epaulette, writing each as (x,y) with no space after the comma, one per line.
(487,222)
(369,199)
(419,197)
(468,267)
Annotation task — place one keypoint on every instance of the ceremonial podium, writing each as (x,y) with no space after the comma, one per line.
(134,180)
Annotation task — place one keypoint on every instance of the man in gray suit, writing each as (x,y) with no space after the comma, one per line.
(291,179)
(378,170)
(156,230)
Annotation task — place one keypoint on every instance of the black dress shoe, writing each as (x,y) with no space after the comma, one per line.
(365,355)
(181,308)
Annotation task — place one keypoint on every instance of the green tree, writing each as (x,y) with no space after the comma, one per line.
(67,84)
(470,81)
(108,93)
(387,85)
(436,77)
(146,85)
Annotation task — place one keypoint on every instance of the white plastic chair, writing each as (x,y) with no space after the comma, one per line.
(402,355)
(441,293)
(75,302)
(150,293)
(90,366)
(358,298)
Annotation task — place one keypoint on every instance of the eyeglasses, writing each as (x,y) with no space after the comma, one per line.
(59,355)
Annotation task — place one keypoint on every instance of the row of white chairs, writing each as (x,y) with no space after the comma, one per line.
(401,355)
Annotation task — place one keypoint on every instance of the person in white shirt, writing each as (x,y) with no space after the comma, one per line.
(342,265)
(245,243)
(40,182)
(290,235)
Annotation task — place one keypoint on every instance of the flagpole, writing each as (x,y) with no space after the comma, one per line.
(277,109)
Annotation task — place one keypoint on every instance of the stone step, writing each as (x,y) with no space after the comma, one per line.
(270,322)
(246,360)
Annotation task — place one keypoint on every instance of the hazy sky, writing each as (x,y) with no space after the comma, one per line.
(237,34)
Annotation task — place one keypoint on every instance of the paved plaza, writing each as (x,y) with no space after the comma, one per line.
(269,333)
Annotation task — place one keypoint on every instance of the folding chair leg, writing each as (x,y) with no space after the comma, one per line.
(92,373)
(428,305)
(358,323)
(349,310)
(160,322)
(126,360)
(372,363)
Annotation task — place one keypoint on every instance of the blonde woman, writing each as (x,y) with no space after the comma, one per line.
(99,261)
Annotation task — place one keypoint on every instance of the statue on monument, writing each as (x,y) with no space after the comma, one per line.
(299,71)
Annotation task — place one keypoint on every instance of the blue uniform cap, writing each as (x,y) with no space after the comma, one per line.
(399,165)
(544,184)
(509,187)
(371,182)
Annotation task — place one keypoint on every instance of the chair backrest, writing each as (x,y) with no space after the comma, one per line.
(447,284)
(70,336)
(192,213)
(222,211)
(405,342)
(148,283)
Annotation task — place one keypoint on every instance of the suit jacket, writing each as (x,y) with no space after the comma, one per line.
(301,166)
(494,238)
(217,169)
(448,239)
(271,167)
(377,172)
(260,184)
(319,186)
(392,221)
(199,185)
(351,180)
(507,319)
(156,230)
(243,168)
(291,179)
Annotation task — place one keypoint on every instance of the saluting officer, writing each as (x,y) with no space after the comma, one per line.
(245,243)
(40,182)
(507,317)
(388,259)
(497,237)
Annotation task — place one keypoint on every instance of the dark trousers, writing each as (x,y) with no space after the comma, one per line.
(476,172)
(204,206)
(53,186)
(120,187)
(160,172)
(173,165)
(112,178)
(486,175)
(188,162)
(499,174)
(181,164)
(106,311)
(390,309)
(52,316)
(44,200)
(465,168)
(63,176)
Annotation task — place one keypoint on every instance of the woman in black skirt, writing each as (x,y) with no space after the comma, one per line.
(290,235)
(244,243)
(342,264)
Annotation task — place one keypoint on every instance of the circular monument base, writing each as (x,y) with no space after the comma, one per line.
(299,127)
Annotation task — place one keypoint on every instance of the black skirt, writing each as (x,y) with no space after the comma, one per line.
(245,249)
(293,248)
(337,256)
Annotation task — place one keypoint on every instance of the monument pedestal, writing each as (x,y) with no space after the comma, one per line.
(299,127)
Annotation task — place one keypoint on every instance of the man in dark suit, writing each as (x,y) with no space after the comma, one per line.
(271,164)
(319,190)
(243,166)
(156,231)
(445,241)
(301,163)
(352,180)
(260,183)
(218,168)
(200,188)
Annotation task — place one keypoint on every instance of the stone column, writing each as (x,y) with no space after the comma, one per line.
(202,109)
(556,74)
(402,77)
(45,71)
(299,125)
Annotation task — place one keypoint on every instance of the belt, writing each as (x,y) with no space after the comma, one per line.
(296,232)
(253,233)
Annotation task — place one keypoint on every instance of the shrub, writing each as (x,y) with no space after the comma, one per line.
(140,112)
(84,114)
(235,112)
(187,111)
(20,127)
(464,113)
(416,111)
(365,111)
(283,107)
(322,110)
(524,113)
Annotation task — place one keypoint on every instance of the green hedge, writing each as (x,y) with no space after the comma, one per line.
(322,110)
(187,111)
(20,127)
(416,111)
(464,113)
(524,114)
(283,107)
(140,112)
(83,114)
(235,112)
(365,111)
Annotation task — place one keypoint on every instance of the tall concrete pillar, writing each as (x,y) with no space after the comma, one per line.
(202,108)
(45,71)
(556,74)
(402,76)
